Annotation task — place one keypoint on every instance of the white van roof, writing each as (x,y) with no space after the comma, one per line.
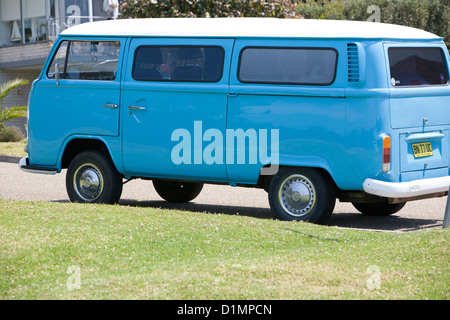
(247,27)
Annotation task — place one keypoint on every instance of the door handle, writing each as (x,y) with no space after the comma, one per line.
(136,108)
(114,106)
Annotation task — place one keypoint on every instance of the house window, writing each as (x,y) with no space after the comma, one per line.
(66,13)
(29,21)
(22,21)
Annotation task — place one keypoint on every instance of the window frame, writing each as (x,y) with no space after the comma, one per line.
(66,59)
(177,46)
(60,44)
(444,62)
(289,48)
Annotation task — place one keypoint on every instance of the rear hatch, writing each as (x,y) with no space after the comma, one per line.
(420,106)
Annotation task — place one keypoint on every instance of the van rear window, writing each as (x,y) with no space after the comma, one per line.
(417,66)
(86,60)
(178,63)
(301,66)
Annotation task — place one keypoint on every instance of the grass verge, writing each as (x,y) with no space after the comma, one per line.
(76,251)
(13,148)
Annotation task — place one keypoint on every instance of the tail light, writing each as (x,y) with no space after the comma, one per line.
(386,154)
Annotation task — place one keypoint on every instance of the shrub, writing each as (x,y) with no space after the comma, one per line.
(206,8)
(429,15)
(11,113)
(10,134)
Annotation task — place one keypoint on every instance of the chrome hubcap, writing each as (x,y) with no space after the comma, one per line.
(297,195)
(88,182)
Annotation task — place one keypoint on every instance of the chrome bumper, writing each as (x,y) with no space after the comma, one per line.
(24,165)
(409,189)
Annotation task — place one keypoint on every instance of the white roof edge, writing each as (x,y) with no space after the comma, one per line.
(248,27)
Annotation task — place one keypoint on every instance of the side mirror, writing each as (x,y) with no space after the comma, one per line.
(57,74)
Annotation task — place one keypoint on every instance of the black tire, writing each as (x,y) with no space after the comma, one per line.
(302,194)
(92,178)
(378,209)
(177,191)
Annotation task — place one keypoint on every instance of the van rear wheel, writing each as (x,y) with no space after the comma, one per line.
(378,209)
(302,194)
(177,191)
(92,178)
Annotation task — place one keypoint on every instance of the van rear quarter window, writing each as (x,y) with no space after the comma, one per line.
(417,66)
(307,66)
(86,60)
(178,63)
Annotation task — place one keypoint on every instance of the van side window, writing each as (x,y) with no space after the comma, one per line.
(86,60)
(178,63)
(299,66)
(417,66)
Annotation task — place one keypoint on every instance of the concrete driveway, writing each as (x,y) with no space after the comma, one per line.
(18,185)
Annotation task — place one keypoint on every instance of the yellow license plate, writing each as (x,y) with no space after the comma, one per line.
(422,149)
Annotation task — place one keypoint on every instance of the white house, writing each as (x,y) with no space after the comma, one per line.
(27,31)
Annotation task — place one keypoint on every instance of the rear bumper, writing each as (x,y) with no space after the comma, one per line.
(417,188)
(24,165)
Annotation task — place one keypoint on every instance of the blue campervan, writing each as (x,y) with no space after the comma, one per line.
(311,111)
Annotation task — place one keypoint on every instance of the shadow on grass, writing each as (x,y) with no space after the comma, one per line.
(351,220)
(263,213)
(394,223)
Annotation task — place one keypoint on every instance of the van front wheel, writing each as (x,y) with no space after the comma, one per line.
(302,194)
(92,178)
(177,191)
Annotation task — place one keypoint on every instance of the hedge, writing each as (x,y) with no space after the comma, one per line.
(429,15)
(206,8)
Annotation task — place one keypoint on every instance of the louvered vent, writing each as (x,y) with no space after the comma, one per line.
(353,62)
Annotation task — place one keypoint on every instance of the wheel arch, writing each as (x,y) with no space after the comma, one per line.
(264,180)
(77,144)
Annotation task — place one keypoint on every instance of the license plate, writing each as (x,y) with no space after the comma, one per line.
(422,149)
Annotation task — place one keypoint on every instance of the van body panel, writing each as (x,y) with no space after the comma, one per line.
(430,109)
(86,109)
(310,118)
(363,142)
(112,144)
(148,133)
(307,129)
(438,141)
(85,102)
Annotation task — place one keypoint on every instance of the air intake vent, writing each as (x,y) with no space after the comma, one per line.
(353,62)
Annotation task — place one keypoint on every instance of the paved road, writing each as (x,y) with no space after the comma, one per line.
(18,185)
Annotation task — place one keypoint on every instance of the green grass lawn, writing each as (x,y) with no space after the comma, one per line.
(75,251)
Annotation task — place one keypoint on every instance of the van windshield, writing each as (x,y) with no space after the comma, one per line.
(417,66)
